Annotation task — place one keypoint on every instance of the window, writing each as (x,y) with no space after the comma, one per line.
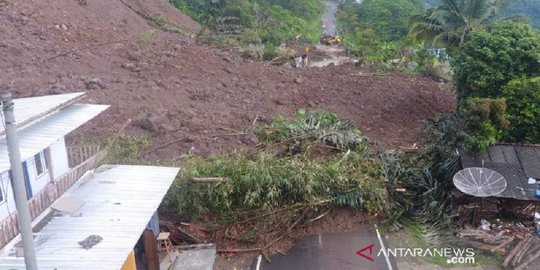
(4,185)
(40,163)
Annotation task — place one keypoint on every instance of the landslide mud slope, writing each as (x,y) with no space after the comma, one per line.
(175,89)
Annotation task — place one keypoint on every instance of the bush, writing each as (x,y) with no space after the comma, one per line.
(484,123)
(523,108)
(270,52)
(266,182)
(488,60)
(314,126)
(126,149)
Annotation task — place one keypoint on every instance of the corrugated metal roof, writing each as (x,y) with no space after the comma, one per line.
(29,109)
(45,132)
(119,201)
(515,162)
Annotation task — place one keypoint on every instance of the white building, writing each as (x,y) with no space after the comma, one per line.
(42,124)
(83,218)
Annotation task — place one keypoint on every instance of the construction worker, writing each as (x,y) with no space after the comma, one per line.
(305,57)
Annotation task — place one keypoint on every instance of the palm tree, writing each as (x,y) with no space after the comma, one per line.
(449,23)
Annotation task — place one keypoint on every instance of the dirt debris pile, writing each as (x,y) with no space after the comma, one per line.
(139,56)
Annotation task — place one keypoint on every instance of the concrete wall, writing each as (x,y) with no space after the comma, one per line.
(59,158)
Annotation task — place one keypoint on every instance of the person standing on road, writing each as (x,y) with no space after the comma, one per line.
(305,57)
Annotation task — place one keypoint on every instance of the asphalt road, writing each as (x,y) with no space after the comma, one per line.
(336,251)
(329,19)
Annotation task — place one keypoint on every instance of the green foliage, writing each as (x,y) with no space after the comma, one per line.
(484,122)
(426,177)
(314,126)
(126,148)
(268,182)
(449,23)
(523,101)
(266,191)
(529,9)
(488,60)
(376,29)
(270,52)
(387,18)
(272,22)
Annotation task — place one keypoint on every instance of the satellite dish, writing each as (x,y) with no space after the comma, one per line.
(480,182)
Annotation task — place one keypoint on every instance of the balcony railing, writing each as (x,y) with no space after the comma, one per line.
(84,158)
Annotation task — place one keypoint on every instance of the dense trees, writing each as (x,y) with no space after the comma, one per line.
(387,18)
(523,106)
(510,8)
(450,21)
(376,29)
(496,78)
(272,21)
(488,60)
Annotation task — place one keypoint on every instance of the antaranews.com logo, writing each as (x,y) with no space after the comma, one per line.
(453,255)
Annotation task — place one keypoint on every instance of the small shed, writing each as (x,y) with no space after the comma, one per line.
(517,163)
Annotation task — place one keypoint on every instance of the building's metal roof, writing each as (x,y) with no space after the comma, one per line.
(118,201)
(42,134)
(29,109)
(517,163)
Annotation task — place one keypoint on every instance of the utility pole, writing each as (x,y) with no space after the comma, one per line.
(19,186)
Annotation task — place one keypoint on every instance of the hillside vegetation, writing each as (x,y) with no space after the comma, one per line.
(258,21)
(526,8)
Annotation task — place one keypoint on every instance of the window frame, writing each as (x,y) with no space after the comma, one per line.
(4,188)
(41,162)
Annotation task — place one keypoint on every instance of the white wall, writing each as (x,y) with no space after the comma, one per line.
(59,158)
(8,205)
(38,182)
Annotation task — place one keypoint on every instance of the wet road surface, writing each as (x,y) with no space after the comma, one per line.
(336,251)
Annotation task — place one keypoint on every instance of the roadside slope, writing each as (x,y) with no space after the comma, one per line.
(175,89)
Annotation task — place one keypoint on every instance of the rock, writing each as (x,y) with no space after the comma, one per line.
(228,70)
(146,123)
(128,65)
(281,102)
(90,241)
(166,127)
(94,84)
(312,104)
(227,59)
(298,80)
(440,70)
(412,65)
(56,91)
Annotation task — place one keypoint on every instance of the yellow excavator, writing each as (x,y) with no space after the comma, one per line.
(330,40)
